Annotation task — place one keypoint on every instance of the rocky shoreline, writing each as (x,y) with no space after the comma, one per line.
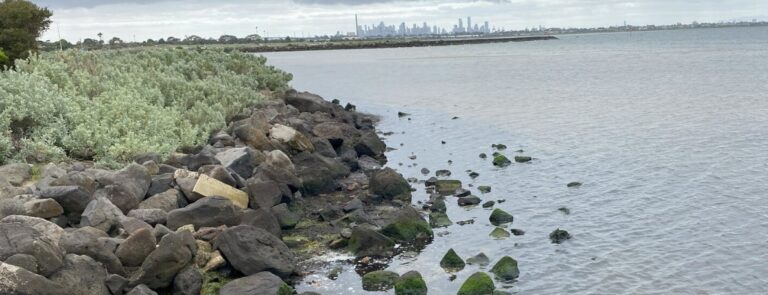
(296,177)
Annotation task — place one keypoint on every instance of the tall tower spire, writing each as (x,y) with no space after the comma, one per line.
(357,27)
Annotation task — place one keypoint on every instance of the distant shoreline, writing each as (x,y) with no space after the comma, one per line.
(388,43)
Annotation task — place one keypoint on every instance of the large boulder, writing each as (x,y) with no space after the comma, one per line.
(318,174)
(307,102)
(45,227)
(82,275)
(262,283)
(369,144)
(174,252)
(206,212)
(160,183)
(251,250)
(367,242)
(253,137)
(208,187)
(135,180)
(43,208)
(17,280)
(91,242)
(101,214)
(506,269)
(285,217)
(150,216)
(278,158)
(336,133)
(389,184)
(136,247)
(15,238)
(15,174)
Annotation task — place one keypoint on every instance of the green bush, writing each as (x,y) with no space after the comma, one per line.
(3,59)
(111,105)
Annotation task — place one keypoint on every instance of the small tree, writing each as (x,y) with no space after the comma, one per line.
(3,58)
(21,23)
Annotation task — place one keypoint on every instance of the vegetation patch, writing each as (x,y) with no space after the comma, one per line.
(111,105)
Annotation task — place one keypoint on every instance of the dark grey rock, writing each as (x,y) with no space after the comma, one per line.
(17,280)
(174,252)
(85,241)
(15,238)
(206,212)
(82,275)
(101,214)
(368,242)
(116,284)
(468,201)
(136,247)
(166,201)
(389,184)
(354,204)
(160,183)
(239,160)
(263,194)
(189,281)
(285,217)
(24,261)
(263,219)
(251,250)
(73,199)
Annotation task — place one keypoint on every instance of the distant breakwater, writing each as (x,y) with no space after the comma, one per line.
(389,43)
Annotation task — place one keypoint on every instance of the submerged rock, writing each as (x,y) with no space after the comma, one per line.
(489,204)
(517,232)
(558,236)
(478,283)
(439,219)
(451,261)
(480,259)
(574,184)
(446,186)
(523,159)
(380,280)
(468,201)
(506,269)
(499,233)
(500,160)
(484,189)
(499,217)
(411,283)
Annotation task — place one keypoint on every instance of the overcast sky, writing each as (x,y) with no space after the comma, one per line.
(143,19)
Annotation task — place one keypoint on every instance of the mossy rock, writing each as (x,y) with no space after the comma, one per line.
(411,283)
(506,269)
(478,283)
(499,217)
(408,226)
(213,281)
(523,159)
(500,160)
(499,233)
(380,280)
(439,219)
(451,261)
(471,200)
(367,242)
(558,236)
(484,189)
(447,186)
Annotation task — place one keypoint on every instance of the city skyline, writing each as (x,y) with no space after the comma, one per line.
(145,19)
(382,29)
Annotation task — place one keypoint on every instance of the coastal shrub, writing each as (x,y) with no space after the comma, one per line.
(110,105)
(3,58)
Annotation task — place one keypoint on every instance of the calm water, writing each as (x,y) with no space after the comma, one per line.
(668,131)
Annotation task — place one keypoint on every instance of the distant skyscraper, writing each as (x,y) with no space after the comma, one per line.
(469,24)
(461,25)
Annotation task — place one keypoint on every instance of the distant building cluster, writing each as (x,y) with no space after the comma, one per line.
(384,30)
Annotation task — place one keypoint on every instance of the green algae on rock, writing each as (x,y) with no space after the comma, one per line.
(408,226)
(447,186)
(499,217)
(500,160)
(499,233)
(506,269)
(439,219)
(479,259)
(523,159)
(451,261)
(484,189)
(478,283)
(411,283)
(380,280)
(559,235)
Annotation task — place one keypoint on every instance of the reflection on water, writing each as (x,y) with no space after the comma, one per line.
(667,131)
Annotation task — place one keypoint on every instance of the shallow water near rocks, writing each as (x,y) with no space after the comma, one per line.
(667,131)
